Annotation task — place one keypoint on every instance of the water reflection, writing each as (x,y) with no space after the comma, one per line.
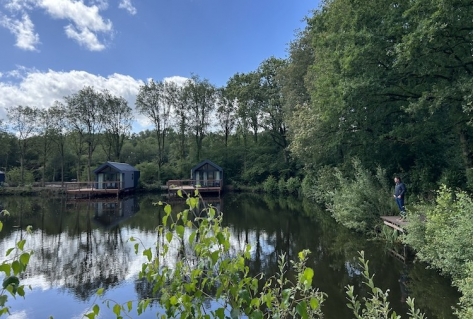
(81,246)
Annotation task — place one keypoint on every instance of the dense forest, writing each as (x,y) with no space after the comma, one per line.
(369,90)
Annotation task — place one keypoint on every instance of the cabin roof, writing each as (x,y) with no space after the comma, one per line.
(217,167)
(121,167)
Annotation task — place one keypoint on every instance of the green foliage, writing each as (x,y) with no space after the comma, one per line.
(13,177)
(207,268)
(361,199)
(12,269)
(441,233)
(445,241)
(376,304)
(270,185)
(293,185)
(149,172)
(322,186)
(282,185)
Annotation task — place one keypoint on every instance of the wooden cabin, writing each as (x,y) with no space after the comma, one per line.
(207,177)
(111,178)
(115,175)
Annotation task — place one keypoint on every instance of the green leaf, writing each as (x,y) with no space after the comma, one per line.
(21,291)
(11,280)
(257,314)
(220,313)
(148,253)
(100,292)
(21,244)
(96,309)
(129,306)
(24,259)
(235,313)
(136,248)
(301,309)
(196,192)
(1,226)
(173,300)
(9,250)
(117,309)
(167,208)
(180,230)
(180,193)
(314,303)
(169,236)
(308,274)
(6,268)
(16,266)
(215,257)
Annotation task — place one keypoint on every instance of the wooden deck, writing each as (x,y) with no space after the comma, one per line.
(189,186)
(395,222)
(89,189)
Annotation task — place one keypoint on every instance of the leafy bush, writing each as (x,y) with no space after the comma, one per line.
(148,173)
(359,201)
(13,177)
(293,185)
(441,233)
(321,186)
(270,185)
(282,185)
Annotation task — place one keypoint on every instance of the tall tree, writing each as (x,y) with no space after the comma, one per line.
(226,113)
(60,128)
(85,109)
(45,131)
(117,118)
(24,123)
(152,101)
(270,97)
(200,97)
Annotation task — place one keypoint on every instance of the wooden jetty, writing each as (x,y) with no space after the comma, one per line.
(395,222)
(189,186)
(93,189)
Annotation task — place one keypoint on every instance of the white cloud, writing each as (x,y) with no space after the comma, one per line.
(84,37)
(23,29)
(41,89)
(127,5)
(87,22)
(179,80)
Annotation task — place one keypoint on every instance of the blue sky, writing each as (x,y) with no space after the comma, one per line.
(53,48)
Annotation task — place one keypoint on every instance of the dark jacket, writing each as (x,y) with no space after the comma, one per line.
(400,190)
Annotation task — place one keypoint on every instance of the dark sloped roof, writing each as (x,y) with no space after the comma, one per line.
(206,162)
(121,167)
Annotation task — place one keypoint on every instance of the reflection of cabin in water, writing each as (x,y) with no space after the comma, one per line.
(2,177)
(206,176)
(111,213)
(111,178)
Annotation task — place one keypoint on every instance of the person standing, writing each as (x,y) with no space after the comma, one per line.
(399,195)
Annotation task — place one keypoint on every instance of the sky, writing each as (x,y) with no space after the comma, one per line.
(50,49)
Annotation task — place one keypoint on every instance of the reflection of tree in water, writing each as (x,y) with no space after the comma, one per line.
(85,261)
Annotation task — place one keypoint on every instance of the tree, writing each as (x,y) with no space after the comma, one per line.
(200,97)
(24,122)
(272,102)
(59,127)
(153,102)
(85,109)
(117,117)
(226,113)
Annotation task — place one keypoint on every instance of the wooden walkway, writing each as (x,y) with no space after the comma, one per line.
(395,222)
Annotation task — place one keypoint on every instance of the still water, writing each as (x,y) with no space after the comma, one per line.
(82,246)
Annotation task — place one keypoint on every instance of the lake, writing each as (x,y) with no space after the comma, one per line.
(80,246)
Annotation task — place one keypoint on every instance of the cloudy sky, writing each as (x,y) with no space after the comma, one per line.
(53,48)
